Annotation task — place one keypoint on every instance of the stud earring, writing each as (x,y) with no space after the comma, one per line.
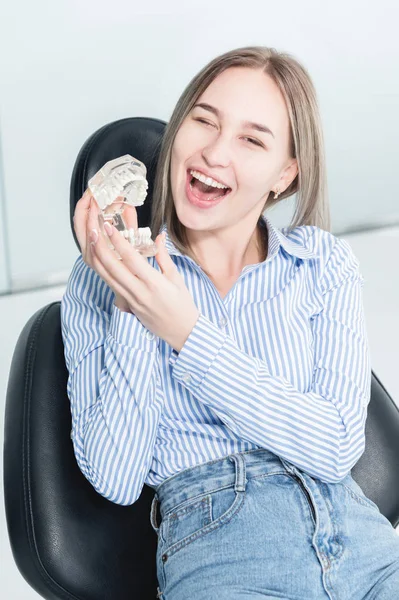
(277,193)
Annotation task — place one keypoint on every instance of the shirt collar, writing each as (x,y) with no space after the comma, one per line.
(276,238)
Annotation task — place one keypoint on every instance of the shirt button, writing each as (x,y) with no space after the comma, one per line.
(187,377)
(222,322)
(149,335)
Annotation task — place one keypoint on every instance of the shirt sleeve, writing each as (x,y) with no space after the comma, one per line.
(113,366)
(321,431)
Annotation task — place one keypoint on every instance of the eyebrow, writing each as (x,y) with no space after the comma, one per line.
(250,124)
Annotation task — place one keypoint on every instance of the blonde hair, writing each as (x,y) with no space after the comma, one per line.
(307,144)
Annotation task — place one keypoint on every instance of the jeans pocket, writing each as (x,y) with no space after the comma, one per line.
(185,522)
(193,519)
(357,493)
(225,504)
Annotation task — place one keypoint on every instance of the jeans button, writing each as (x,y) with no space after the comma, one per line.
(164,557)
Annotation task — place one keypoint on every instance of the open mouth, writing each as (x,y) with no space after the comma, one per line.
(204,192)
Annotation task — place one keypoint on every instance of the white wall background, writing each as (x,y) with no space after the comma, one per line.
(5,282)
(69,67)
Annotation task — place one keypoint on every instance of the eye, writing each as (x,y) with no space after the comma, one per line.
(251,140)
(203,121)
(254,142)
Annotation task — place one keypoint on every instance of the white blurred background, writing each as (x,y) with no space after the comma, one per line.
(69,67)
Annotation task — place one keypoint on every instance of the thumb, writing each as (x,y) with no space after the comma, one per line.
(167,265)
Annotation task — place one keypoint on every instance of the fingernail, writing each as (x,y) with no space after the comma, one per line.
(94,236)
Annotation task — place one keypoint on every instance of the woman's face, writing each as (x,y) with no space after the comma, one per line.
(219,141)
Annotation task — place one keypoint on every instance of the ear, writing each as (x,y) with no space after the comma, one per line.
(287,176)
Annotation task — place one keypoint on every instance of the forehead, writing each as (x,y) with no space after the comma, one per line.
(243,94)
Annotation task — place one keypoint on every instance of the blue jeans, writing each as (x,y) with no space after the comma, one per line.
(252,525)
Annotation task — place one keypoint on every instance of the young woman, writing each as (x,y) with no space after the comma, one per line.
(231,372)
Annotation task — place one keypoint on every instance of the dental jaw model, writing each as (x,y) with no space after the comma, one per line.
(120,182)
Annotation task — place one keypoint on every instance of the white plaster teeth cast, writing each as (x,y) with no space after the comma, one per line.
(139,237)
(141,186)
(123,178)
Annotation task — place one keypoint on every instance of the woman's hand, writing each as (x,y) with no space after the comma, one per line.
(80,225)
(160,300)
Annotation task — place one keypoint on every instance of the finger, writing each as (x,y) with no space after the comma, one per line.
(80,218)
(113,283)
(164,260)
(130,216)
(93,225)
(133,260)
(105,262)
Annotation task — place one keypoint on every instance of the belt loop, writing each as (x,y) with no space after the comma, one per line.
(241,480)
(290,468)
(153,513)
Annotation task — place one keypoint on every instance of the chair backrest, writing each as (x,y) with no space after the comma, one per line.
(67,540)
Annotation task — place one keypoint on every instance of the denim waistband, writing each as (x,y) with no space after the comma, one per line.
(223,472)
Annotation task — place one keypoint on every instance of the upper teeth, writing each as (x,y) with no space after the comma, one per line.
(208,180)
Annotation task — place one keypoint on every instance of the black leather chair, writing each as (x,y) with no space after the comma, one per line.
(68,541)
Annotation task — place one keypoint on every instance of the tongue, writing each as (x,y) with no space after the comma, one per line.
(205,192)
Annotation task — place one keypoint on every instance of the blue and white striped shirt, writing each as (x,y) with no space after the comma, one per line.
(282,362)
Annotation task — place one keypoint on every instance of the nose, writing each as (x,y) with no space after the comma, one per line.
(217,153)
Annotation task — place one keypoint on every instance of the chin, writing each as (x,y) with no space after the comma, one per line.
(190,220)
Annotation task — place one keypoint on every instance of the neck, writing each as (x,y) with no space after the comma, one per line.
(255,252)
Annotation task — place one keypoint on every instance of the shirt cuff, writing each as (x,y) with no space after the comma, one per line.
(199,351)
(126,329)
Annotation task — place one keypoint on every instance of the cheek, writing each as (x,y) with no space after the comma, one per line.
(189,141)
(254,177)
(176,150)
(177,158)
(260,174)
(181,144)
